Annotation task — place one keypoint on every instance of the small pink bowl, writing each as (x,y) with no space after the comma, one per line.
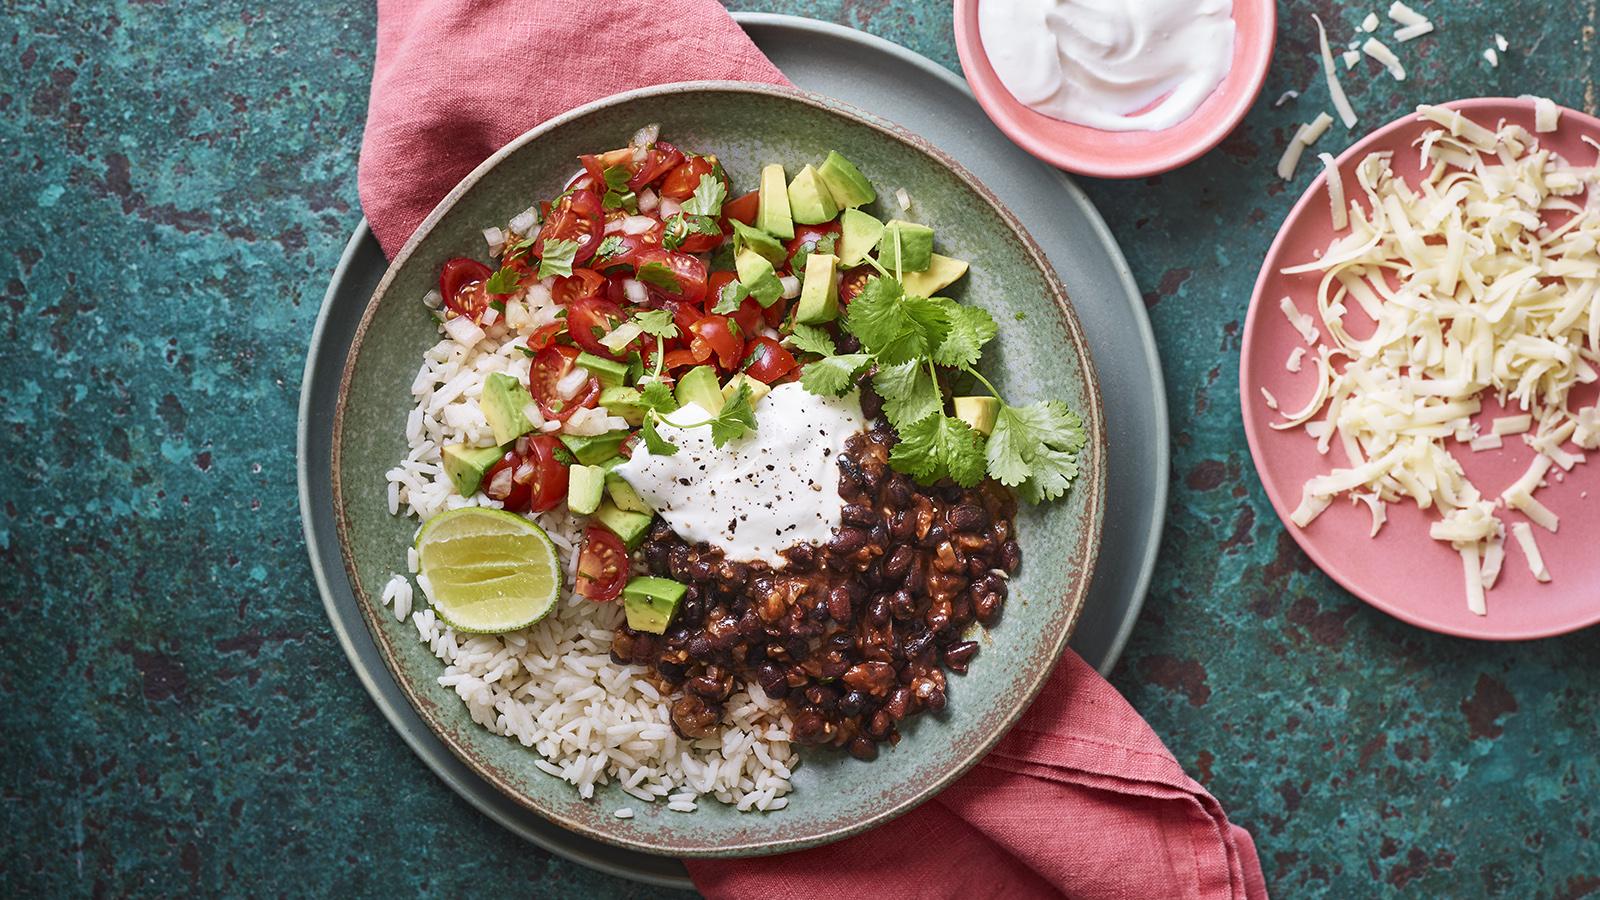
(1125,154)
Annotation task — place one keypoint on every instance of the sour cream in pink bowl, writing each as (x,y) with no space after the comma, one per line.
(1115,88)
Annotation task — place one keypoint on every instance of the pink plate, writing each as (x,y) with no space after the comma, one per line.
(1403,571)
(1125,154)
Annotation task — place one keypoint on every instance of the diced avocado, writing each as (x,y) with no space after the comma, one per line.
(624,402)
(758,276)
(610,463)
(624,496)
(772,211)
(610,372)
(466,466)
(849,187)
(755,239)
(631,527)
(503,403)
(942,271)
(859,233)
(810,203)
(819,293)
(979,412)
(585,487)
(651,602)
(699,386)
(591,449)
(757,389)
(911,243)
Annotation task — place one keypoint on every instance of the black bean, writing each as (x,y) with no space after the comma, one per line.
(858,514)
(864,748)
(852,703)
(847,541)
(878,611)
(902,605)
(958,656)
(968,517)
(1010,556)
(899,562)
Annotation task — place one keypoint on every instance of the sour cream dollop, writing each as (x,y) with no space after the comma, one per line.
(759,494)
(1101,63)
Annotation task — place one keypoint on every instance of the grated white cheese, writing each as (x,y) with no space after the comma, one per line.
(1546,115)
(1370,23)
(1293,362)
(1341,103)
(1285,97)
(1501,42)
(1304,137)
(1462,288)
(1351,57)
(1272,402)
(1405,15)
(1412,32)
(1341,216)
(1492,57)
(1378,51)
(1530,551)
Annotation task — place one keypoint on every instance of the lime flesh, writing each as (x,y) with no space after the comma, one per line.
(489,571)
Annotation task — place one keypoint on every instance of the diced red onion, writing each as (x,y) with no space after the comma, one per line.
(648,200)
(791,286)
(490,316)
(524,473)
(635,291)
(463,331)
(637,224)
(433,299)
(572,382)
(499,486)
(646,136)
(670,208)
(495,238)
(614,226)
(523,222)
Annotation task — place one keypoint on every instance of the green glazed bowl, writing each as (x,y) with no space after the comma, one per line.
(1040,353)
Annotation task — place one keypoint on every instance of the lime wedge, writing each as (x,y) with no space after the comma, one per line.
(490,571)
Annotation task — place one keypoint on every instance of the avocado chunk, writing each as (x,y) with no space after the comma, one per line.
(755,239)
(651,602)
(757,389)
(624,497)
(609,372)
(585,487)
(979,412)
(504,402)
(466,466)
(849,187)
(631,527)
(772,210)
(819,293)
(591,449)
(910,243)
(699,386)
(810,203)
(624,402)
(942,271)
(858,234)
(758,276)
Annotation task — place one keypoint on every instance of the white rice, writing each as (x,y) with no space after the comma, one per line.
(553,687)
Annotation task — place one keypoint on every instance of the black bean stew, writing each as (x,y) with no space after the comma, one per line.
(854,636)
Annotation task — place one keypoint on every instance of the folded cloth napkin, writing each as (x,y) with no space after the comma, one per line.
(455,80)
(1080,799)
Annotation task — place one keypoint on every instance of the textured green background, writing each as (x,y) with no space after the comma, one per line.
(178,179)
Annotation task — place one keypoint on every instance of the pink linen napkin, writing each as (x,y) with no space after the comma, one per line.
(1081,799)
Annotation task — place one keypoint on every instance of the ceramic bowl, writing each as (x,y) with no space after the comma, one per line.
(1404,572)
(1124,154)
(1040,353)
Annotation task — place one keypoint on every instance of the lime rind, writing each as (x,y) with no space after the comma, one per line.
(488,571)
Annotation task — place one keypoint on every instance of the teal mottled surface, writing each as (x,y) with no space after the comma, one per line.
(177,181)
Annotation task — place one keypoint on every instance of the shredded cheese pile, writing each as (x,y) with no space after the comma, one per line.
(1474,284)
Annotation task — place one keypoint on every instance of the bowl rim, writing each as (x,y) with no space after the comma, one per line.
(1328,562)
(1076,157)
(1094,459)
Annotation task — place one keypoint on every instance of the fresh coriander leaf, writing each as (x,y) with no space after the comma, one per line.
(893,326)
(811,339)
(617,194)
(707,199)
(908,392)
(660,275)
(939,446)
(1034,449)
(653,441)
(610,246)
(1020,315)
(517,249)
(503,281)
(564,456)
(557,258)
(730,297)
(627,200)
(656,323)
(657,396)
(616,177)
(635,365)
(680,227)
(970,328)
(832,376)
(737,417)
(526,350)
(497,305)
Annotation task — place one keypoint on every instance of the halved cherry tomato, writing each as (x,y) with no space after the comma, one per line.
(528,478)
(677,359)
(461,284)
(544,376)
(688,274)
(684,315)
(545,335)
(602,565)
(806,240)
(575,216)
(776,313)
(692,241)
(625,250)
(742,208)
(658,161)
(625,449)
(681,181)
(748,315)
(591,318)
(766,361)
(581,283)
(714,337)
(596,164)
(852,281)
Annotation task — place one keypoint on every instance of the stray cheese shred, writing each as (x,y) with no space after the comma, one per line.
(1341,103)
(1480,278)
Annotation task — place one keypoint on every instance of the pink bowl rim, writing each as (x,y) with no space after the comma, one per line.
(1492,629)
(1208,128)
